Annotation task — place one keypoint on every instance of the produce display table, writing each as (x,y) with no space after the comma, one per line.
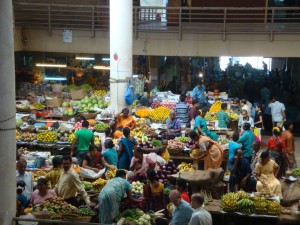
(54,148)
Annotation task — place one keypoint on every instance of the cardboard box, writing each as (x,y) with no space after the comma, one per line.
(78,93)
(53,102)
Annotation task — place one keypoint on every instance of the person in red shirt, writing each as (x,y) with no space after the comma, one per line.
(277,148)
(181,186)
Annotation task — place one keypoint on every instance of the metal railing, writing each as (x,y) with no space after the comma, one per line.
(180,20)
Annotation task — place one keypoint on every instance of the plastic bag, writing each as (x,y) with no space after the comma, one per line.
(129,94)
(87,173)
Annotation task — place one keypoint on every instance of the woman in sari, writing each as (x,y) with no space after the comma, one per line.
(111,195)
(123,121)
(265,175)
(125,152)
(277,148)
(212,151)
(154,193)
(201,127)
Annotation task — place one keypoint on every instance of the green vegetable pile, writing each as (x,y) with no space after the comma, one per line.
(86,212)
(136,216)
(183,139)
(87,87)
(296,172)
(101,126)
(156,143)
(87,185)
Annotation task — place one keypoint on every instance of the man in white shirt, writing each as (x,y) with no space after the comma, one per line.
(277,112)
(200,216)
(245,119)
(23,175)
(246,106)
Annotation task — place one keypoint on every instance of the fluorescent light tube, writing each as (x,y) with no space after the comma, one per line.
(55,78)
(85,58)
(101,68)
(105,59)
(50,65)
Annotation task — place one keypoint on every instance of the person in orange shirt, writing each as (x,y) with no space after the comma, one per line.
(123,120)
(288,137)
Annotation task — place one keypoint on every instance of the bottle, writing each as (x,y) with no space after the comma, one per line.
(192,124)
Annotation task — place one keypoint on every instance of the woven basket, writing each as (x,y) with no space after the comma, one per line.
(89,116)
(23,110)
(175,151)
(43,215)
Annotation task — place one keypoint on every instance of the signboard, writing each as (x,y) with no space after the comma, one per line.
(67,36)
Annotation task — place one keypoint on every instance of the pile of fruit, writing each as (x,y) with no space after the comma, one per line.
(145,142)
(99,184)
(149,132)
(48,136)
(57,205)
(87,185)
(135,216)
(175,145)
(27,136)
(296,172)
(214,109)
(37,174)
(138,131)
(38,106)
(78,126)
(143,112)
(233,116)
(42,128)
(100,127)
(97,141)
(161,114)
(100,93)
(196,153)
(169,105)
(92,122)
(156,143)
(183,167)
(110,173)
(183,139)
(63,133)
(90,104)
(71,137)
(137,188)
(18,135)
(242,202)
(190,144)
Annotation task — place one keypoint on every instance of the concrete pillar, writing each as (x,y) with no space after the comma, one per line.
(7,115)
(120,50)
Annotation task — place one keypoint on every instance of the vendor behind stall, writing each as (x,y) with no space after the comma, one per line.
(173,127)
(94,160)
(223,119)
(182,110)
(111,195)
(42,193)
(124,120)
(265,175)
(163,151)
(199,94)
(201,127)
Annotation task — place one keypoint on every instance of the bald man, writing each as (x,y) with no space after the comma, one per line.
(182,210)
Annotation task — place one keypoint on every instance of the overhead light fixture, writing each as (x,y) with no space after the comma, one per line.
(135,75)
(55,78)
(51,65)
(85,58)
(200,74)
(101,68)
(105,59)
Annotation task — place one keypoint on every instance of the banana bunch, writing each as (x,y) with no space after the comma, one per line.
(214,109)
(260,205)
(37,174)
(97,141)
(241,195)
(71,137)
(137,132)
(99,184)
(246,206)
(229,202)
(196,153)
(99,92)
(110,173)
(183,167)
(274,208)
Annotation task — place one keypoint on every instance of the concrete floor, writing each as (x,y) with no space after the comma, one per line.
(297,150)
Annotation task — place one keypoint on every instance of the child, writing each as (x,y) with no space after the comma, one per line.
(21,199)
(165,153)
(154,192)
(181,186)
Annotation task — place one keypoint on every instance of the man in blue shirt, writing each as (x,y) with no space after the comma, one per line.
(241,171)
(182,110)
(246,140)
(233,145)
(182,210)
(198,92)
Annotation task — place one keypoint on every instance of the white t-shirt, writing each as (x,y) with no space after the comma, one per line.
(276,110)
(247,108)
(242,121)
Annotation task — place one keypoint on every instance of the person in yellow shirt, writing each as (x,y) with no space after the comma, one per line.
(69,184)
(165,153)
(53,176)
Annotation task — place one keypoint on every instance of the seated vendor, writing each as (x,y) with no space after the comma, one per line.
(141,163)
(42,193)
(240,177)
(123,120)
(265,175)
(94,160)
(163,151)
(110,155)
(173,127)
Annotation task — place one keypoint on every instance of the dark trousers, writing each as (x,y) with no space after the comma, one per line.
(73,201)
(80,155)
(234,180)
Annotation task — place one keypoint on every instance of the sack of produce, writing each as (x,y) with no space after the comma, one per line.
(87,173)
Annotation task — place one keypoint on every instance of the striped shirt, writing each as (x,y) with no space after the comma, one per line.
(182,112)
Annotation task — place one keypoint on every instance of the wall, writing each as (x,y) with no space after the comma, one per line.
(164,44)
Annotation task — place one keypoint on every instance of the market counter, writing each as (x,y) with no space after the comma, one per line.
(236,219)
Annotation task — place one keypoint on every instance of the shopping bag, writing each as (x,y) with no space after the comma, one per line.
(129,93)
(87,173)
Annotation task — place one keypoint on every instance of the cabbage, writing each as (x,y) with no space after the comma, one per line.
(65,104)
(19,122)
